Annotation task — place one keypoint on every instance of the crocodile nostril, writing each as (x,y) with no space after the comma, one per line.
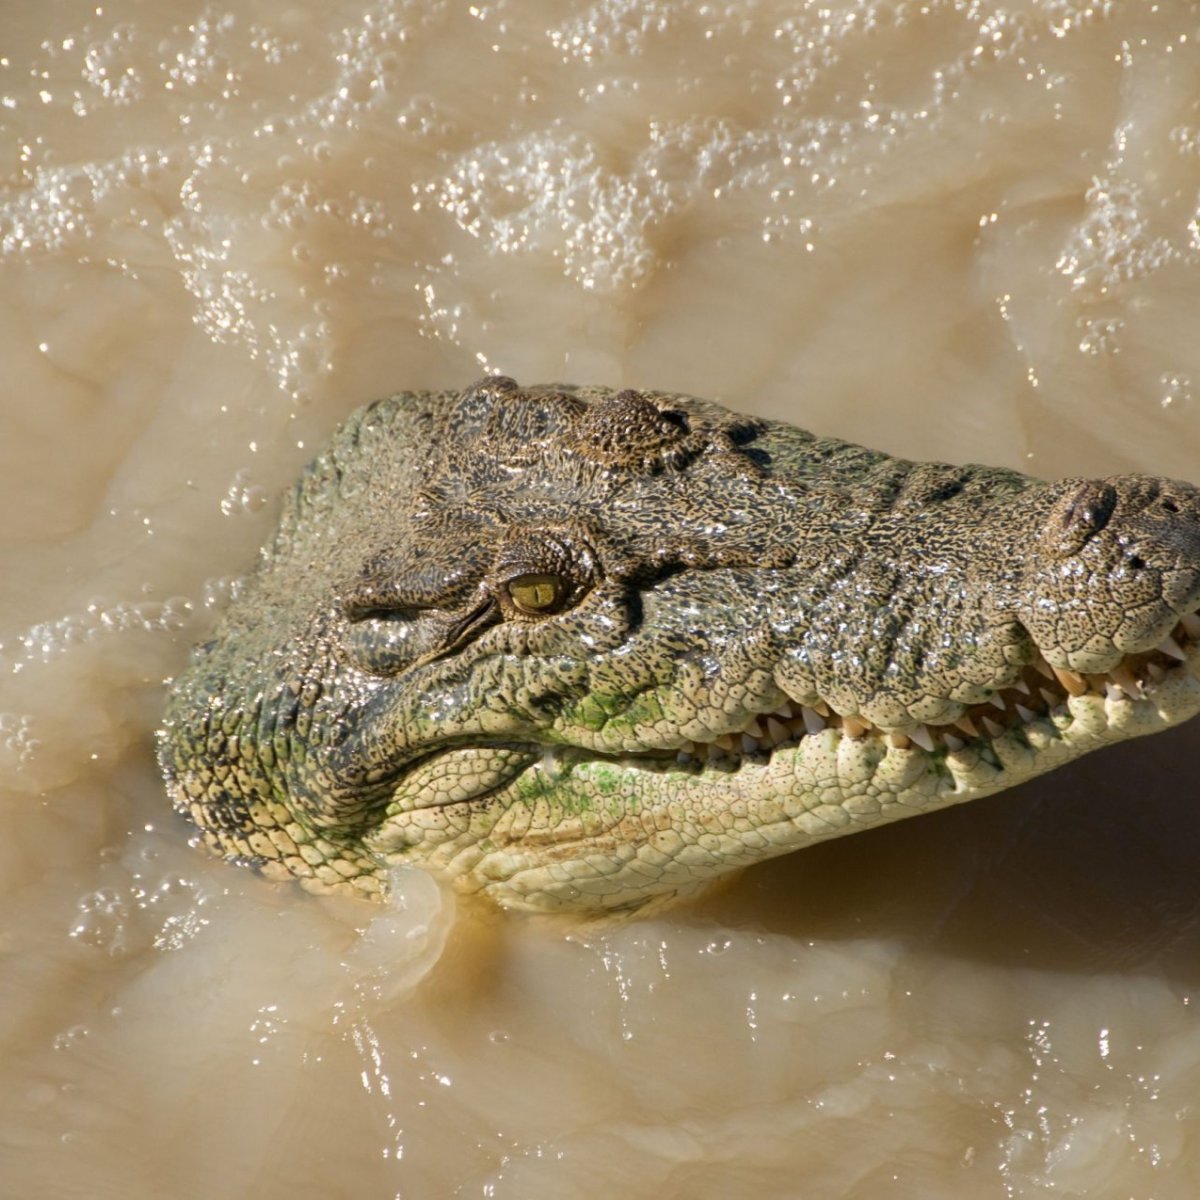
(1092,508)
(1168,505)
(1079,516)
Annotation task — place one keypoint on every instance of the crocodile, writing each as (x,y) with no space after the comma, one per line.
(577,648)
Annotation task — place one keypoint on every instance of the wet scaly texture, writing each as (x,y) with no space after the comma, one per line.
(577,648)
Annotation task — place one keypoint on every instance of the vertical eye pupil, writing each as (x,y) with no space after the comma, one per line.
(537,593)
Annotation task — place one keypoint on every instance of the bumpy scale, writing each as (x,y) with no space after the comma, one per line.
(578,649)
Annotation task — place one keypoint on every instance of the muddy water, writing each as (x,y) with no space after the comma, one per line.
(948,229)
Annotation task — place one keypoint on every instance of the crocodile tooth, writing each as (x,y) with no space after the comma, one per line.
(1022,686)
(997,701)
(1155,672)
(725,741)
(715,752)
(1114,691)
(776,732)
(786,711)
(796,730)
(754,729)
(1026,714)
(813,721)
(953,743)
(683,757)
(1073,682)
(750,744)
(922,737)
(994,728)
(1053,699)
(1043,668)
(899,740)
(1191,625)
(853,727)
(1170,647)
(967,726)
(1127,681)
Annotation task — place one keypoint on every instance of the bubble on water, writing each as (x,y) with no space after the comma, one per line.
(69,1038)
(110,69)
(552,193)
(57,208)
(259,273)
(217,593)
(1193,230)
(243,498)
(370,59)
(424,118)
(442,315)
(1186,139)
(1112,244)
(179,928)
(144,908)
(998,34)
(100,619)
(1063,17)
(1100,335)
(299,363)
(204,66)
(818,41)
(103,921)
(18,744)
(1175,392)
(555,193)
(272,46)
(811,40)
(611,28)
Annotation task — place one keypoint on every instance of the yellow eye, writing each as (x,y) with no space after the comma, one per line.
(537,594)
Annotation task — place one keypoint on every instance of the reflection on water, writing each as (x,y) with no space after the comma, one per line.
(952,230)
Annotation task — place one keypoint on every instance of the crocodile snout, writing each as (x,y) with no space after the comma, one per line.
(1116,563)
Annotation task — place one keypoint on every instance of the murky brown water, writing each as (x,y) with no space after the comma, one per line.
(950,229)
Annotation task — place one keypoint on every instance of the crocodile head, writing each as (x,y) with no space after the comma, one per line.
(578,648)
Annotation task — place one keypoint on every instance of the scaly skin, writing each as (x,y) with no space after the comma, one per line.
(580,649)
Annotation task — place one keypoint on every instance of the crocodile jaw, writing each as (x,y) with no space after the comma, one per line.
(563,829)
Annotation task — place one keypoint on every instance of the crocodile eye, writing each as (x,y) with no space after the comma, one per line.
(537,594)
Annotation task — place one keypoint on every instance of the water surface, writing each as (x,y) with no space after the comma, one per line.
(951,230)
